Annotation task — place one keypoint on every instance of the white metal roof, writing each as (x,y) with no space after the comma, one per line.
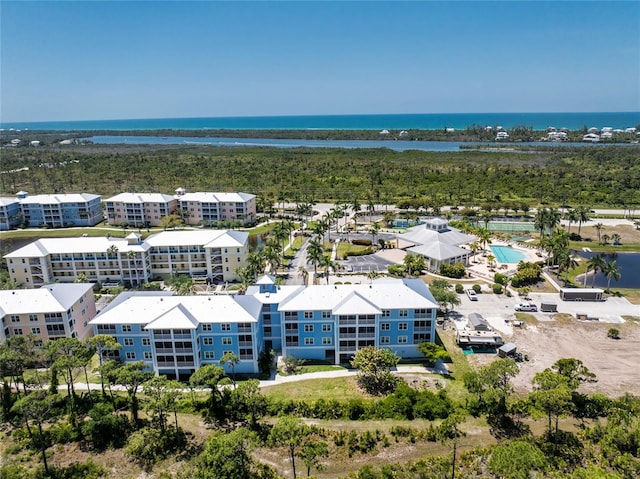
(216,197)
(8,201)
(88,244)
(51,298)
(59,199)
(389,294)
(141,198)
(206,238)
(160,311)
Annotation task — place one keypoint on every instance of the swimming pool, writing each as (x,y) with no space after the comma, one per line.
(506,254)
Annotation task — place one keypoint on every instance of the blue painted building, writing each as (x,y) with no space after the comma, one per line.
(10,214)
(60,210)
(176,335)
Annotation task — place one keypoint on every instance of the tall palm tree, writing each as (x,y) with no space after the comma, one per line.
(131,257)
(328,265)
(486,217)
(371,207)
(484,236)
(598,228)
(315,253)
(583,215)
(566,262)
(374,229)
(615,239)
(552,218)
(356,208)
(595,263)
(540,220)
(475,246)
(611,271)
(572,217)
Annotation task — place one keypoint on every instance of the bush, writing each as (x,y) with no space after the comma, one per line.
(477,288)
(148,446)
(457,270)
(575,237)
(613,333)
(363,252)
(497,288)
(500,279)
(361,242)
(459,288)
(396,270)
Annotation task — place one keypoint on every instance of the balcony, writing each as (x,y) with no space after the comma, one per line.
(290,344)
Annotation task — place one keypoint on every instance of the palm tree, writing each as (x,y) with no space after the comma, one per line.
(540,220)
(356,208)
(491,260)
(304,273)
(112,253)
(315,253)
(328,265)
(598,228)
(566,261)
(371,207)
(615,239)
(572,217)
(374,229)
(552,218)
(484,236)
(611,270)
(131,257)
(475,246)
(583,215)
(595,263)
(605,238)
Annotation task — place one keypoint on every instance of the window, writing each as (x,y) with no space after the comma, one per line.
(385,326)
(403,313)
(126,328)
(326,314)
(402,339)
(128,341)
(17,331)
(308,341)
(386,313)
(131,355)
(33,317)
(308,314)
(308,328)
(146,342)
(226,341)
(326,328)
(35,330)
(147,355)
(208,341)
(403,326)
(209,355)
(206,327)
(384,339)
(326,340)
(225,327)
(15,318)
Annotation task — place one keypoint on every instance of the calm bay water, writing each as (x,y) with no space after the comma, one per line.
(629,264)
(397,145)
(429,121)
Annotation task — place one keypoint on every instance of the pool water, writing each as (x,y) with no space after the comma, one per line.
(506,254)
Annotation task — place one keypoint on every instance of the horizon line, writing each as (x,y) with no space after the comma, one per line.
(4,122)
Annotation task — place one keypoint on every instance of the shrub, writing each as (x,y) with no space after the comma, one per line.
(148,446)
(613,333)
(363,252)
(497,288)
(361,242)
(396,270)
(500,279)
(457,270)
(575,237)
(477,288)
(459,288)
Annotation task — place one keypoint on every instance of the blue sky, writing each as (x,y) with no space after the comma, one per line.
(103,60)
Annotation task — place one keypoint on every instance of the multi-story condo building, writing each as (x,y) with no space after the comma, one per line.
(10,213)
(57,211)
(139,209)
(214,255)
(210,208)
(56,311)
(176,335)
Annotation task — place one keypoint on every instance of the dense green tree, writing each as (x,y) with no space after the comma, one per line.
(374,367)
(517,460)
(433,352)
(291,433)
(132,376)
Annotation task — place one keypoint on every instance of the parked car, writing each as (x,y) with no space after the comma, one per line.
(526,307)
(472,295)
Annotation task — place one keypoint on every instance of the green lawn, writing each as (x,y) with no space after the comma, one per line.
(341,389)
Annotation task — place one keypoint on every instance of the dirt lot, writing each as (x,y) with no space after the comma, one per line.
(615,362)
(628,234)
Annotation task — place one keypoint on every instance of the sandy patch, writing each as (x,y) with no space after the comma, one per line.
(615,362)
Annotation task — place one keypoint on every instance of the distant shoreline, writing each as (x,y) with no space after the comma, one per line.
(310,123)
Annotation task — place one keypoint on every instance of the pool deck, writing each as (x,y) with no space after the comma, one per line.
(480,268)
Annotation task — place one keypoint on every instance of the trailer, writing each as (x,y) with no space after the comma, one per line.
(581,294)
(546,307)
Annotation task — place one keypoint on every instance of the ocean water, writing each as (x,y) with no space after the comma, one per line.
(428,121)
